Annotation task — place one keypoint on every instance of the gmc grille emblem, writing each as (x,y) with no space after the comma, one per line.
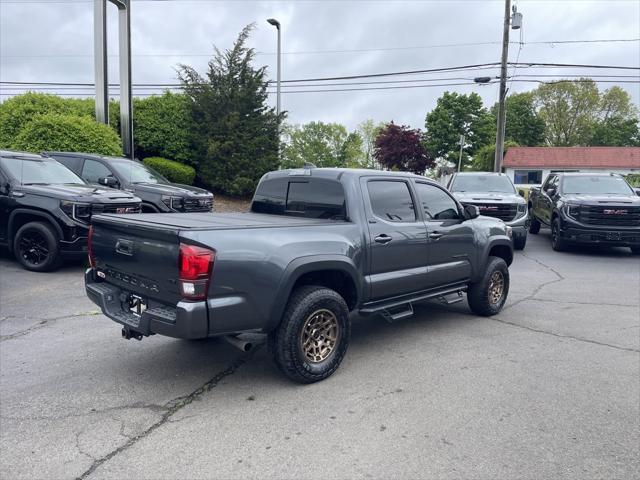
(488,208)
(126,210)
(614,212)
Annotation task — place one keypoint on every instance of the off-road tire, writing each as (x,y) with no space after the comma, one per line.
(557,242)
(43,237)
(519,242)
(478,295)
(534,226)
(285,341)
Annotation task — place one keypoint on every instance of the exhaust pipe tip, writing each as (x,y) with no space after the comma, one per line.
(240,344)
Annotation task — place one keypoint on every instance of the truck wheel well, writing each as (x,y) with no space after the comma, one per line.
(22,218)
(503,252)
(336,280)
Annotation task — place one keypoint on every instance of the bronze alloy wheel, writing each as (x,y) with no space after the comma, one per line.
(496,288)
(319,335)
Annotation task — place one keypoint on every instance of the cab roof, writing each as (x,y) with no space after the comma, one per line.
(339,173)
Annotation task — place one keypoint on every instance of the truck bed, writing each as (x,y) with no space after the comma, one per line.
(209,221)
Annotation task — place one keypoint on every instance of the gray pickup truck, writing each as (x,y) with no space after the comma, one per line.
(316,245)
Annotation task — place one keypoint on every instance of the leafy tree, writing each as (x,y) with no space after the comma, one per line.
(368,131)
(67,133)
(454,115)
(234,132)
(323,144)
(161,126)
(351,153)
(401,148)
(523,125)
(484,159)
(577,113)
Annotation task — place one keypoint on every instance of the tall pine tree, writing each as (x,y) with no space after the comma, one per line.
(235,132)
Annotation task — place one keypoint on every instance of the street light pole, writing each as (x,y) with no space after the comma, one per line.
(276,24)
(503,89)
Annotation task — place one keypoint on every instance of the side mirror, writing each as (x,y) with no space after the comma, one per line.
(471,212)
(110,182)
(551,191)
(5,188)
(521,193)
(637,190)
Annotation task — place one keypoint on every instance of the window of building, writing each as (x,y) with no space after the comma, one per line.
(527,177)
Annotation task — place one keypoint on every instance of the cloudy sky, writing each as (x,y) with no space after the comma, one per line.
(52,41)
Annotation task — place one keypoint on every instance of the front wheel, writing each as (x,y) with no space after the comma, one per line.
(519,242)
(313,336)
(534,226)
(36,247)
(488,296)
(557,243)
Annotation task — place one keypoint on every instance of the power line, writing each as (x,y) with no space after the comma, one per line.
(355,50)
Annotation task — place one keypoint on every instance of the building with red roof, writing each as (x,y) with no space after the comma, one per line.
(531,165)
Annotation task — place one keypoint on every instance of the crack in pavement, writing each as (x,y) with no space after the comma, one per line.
(559,278)
(537,290)
(561,335)
(548,300)
(42,324)
(172,407)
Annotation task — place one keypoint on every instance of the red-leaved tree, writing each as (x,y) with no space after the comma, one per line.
(398,147)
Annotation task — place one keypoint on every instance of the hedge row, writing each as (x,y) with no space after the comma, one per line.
(174,171)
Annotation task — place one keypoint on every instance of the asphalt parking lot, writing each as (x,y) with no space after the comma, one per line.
(547,389)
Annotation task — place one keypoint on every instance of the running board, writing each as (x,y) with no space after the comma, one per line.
(391,304)
(399,313)
(451,299)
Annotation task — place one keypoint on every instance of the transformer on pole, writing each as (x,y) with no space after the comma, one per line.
(101,68)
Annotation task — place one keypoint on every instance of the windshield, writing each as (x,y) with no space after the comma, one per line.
(30,172)
(482,183)
(599,185)
(135,172)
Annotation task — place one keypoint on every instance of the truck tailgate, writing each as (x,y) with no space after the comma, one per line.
(137,257)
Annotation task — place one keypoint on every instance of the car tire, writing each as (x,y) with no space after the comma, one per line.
(635,250)
(557,243)
(519,242)
(313,336)
(36,247)
(534,226)
(488,296)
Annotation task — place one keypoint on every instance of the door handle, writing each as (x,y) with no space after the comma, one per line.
(435,235)
(383,239)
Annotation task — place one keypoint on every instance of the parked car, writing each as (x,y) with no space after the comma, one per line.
(46,209)
(157,193)
(587,208)
(495,196)
(317,244)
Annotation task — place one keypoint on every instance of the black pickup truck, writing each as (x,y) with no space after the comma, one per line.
(45,209)
(586,208)
(156,192)
(317,244)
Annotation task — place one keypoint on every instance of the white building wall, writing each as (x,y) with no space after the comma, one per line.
(545,172)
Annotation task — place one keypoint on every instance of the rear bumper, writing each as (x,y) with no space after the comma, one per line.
(187,320)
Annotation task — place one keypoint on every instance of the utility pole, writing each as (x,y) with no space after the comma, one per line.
(460,157)
(497,167)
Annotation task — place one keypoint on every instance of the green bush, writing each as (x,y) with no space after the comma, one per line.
(67,133)
(174,171)
(161,126)
(18,111)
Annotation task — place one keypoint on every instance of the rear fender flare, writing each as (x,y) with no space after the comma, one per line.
(301,266)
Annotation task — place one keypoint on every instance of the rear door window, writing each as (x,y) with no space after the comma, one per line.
(391,200)
(93,170)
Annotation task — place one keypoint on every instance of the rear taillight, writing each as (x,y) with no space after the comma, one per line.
(195,266)
(92,259)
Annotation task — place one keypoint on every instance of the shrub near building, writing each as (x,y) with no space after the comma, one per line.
(176,172)
(68,134)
